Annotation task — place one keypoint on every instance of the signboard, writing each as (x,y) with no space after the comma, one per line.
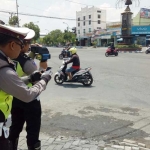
(100,31)
(89,34)
(140,30)
(106,37)
(145,13)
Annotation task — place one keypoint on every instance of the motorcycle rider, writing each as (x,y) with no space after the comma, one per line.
(112,47)
(67,53)
(26,112)
(75,62)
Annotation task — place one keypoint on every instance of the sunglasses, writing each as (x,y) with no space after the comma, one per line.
(21,45)
(27,42)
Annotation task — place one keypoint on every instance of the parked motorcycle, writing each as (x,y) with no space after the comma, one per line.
(83,76)
(109,52)
(147,50)
(64,54)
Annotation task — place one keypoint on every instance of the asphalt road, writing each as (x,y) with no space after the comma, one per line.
(115,106)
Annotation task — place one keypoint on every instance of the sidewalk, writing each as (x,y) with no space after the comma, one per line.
(63,143)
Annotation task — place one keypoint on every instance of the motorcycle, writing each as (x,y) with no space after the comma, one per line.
(109,52)
(64,54)
(83,76)
(147,50)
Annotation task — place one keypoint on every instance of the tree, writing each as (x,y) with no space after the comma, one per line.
(69,37)
(13,20)
(34,27)
(47,40)
(57,37)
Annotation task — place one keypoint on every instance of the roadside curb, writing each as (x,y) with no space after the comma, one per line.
(131,51)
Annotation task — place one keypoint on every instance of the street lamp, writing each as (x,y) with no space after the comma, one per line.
(67,25)
(47,30)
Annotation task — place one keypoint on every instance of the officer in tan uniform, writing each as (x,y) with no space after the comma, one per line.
(26,112)
(11,43)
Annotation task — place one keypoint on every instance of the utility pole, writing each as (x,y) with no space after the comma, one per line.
(67,26)
(17,12)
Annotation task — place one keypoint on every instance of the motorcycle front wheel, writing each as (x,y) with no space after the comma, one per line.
(116,54)
(106,54)
(58,80)
(89,79)
(60,56)
(146,52)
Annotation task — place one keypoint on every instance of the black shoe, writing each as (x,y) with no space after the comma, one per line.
(13,144)
(37,146)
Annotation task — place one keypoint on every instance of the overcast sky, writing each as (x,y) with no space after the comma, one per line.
(62,9)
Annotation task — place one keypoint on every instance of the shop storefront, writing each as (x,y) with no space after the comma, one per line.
(141,35)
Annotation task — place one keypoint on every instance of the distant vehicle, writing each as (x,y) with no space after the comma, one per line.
(64,54)
(147,50)
(109,52)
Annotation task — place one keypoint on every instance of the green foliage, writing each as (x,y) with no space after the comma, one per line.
(34,27)
(56,37)
(13,20)
(128,46)
(40,41)
(69,37)
(94,43)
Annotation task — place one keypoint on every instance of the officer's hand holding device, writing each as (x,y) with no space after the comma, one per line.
(42,53)
(35,76)
(46,76)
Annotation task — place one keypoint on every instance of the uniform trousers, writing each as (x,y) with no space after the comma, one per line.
(31,114)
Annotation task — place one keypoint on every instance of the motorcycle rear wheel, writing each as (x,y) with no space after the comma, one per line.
(106,54)
(60,56)
(58,79)
(90,80)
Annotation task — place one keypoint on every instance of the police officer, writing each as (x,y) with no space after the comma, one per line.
(10,84)
(26,112)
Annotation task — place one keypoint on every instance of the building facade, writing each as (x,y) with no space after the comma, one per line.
(89,20)
(142,17)
(140,30)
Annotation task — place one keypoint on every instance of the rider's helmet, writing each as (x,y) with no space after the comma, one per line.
(73,50)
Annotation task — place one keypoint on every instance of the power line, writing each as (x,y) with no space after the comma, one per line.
(87,4)
(27,14)
(78,3)
(42,16)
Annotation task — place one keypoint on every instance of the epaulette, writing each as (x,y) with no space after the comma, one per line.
(26,56)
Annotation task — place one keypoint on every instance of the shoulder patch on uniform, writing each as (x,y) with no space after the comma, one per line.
(33,62)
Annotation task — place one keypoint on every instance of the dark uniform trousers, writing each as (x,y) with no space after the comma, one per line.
(31,114)
(5,144)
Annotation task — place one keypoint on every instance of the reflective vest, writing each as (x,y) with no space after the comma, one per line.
(5,98)
(19,64)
